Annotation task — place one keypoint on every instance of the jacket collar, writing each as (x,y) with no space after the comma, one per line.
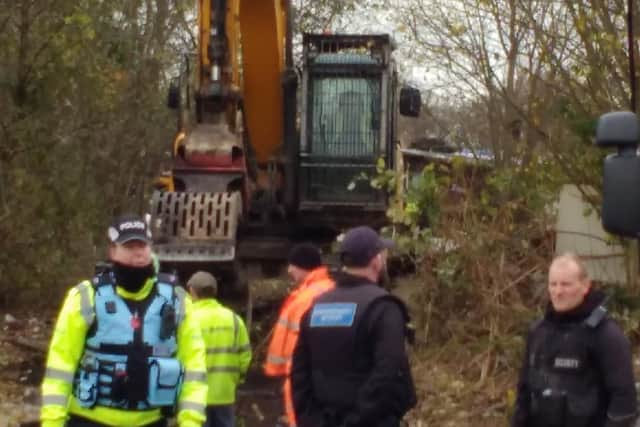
(206,302)
(316,275)
(592,300)
(144,291)
(347,280)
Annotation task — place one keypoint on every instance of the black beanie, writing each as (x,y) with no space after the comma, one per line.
(306,256)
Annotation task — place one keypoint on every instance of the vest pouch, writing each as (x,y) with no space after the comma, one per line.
(86,382)
(549,408)
(114,383)
(165,379)
(581,408)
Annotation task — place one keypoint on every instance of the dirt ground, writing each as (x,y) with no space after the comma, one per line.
(22,347)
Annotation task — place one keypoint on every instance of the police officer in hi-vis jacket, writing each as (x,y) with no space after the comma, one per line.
(125,349)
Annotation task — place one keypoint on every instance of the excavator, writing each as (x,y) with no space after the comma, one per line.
(269,150)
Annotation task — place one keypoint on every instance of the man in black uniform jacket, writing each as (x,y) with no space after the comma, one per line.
(350,368)
(577,369)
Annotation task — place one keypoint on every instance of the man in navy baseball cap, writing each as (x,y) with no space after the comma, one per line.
(351,342)
(360,245)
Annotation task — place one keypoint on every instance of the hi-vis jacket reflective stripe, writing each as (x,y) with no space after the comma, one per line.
(66,347)
(228,349)
(285,332)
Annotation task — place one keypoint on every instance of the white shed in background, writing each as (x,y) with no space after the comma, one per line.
(584,235)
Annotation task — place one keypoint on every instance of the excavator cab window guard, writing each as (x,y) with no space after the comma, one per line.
(377,47)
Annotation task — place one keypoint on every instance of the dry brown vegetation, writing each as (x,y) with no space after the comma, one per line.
(480,282)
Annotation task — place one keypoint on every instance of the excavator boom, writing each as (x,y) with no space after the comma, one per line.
(241,50)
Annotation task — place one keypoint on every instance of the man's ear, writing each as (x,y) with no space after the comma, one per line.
(378,261)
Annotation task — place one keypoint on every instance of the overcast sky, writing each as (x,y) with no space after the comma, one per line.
(412,71)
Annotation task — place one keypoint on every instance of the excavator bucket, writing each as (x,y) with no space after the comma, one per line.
(195,226)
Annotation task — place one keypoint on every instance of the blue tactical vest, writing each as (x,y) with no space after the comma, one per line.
(129,359)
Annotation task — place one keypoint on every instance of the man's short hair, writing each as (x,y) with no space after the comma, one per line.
(306,256)
(203,284)
(576,260)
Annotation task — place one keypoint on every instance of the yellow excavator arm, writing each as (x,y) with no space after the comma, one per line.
(263,24)
(231,115)
(241,58)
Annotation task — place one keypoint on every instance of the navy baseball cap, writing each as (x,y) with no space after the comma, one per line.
(129,227)
(360,245)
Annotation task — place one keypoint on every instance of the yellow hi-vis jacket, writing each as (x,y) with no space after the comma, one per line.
(228,349)
(66,349)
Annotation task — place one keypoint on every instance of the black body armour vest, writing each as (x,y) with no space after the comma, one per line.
(564,381)
(340,348)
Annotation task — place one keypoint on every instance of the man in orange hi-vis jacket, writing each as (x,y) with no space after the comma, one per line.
(312,279)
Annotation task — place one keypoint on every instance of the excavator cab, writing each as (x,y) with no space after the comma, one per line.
(621,173)
(348,121)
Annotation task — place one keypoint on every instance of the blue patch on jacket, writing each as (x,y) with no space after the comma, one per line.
(336,314)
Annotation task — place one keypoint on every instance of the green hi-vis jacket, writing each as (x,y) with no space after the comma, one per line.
(68,343)
(228,349)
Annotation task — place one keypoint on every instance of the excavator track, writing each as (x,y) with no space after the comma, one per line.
(195,226)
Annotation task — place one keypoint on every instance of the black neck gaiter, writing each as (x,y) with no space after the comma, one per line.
(591,301)
(130,278)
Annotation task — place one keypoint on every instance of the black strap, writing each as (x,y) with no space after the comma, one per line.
(120,349)
(535,325)
(104,277)
(168,278)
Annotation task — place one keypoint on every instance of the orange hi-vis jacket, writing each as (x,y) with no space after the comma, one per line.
(285,332)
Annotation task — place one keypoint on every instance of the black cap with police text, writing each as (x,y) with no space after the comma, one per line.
(127,228)
(360,245)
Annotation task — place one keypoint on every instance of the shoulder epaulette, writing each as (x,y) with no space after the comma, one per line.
(168,278)
(103,278)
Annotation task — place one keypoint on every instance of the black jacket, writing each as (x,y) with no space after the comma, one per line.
(358,376)
(609,355)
